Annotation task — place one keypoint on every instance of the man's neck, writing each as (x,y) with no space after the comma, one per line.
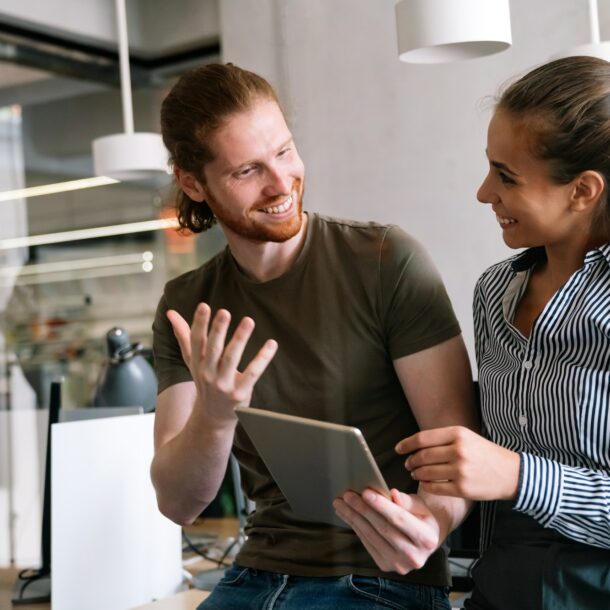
(265,261)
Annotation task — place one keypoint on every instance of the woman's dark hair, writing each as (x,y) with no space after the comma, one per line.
(566,107)
(198,104)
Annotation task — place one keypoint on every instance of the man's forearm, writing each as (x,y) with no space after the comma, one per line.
(188,470)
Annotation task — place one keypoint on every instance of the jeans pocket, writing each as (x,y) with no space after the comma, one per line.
(441,598)
(386,593)
(234,575)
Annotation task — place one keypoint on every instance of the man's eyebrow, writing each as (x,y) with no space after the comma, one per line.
(290,140)
(235,168)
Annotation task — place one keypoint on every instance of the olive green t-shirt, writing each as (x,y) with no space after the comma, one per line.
(358,296)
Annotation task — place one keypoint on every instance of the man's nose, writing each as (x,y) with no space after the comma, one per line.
(278,182)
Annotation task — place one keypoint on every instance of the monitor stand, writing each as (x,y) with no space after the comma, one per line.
(32,587)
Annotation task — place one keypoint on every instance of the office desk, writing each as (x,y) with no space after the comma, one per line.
(186,600)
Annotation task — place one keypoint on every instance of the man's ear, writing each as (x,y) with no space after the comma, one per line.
(190,185)
(588,188)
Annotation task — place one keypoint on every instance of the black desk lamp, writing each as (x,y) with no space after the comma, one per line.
(127,379)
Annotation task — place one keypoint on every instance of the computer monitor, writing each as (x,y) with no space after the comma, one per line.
(34,585)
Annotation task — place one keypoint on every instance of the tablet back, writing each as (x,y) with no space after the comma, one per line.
(312,462)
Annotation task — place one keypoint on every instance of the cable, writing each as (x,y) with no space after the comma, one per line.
(204,552)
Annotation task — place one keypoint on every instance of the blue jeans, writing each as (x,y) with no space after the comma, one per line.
(250,589)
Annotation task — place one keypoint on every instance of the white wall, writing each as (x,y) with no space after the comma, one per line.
(388,141)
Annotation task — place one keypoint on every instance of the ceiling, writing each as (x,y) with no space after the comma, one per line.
(59,62)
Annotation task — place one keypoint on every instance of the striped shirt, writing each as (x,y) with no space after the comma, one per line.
(547,397)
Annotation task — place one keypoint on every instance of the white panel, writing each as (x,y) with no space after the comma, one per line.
(111,548)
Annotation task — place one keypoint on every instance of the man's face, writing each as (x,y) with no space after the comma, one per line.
(255,185)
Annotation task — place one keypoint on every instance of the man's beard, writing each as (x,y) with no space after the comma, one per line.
(250,228)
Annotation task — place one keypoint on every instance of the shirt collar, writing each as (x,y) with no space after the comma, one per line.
(527,259)
(601,252)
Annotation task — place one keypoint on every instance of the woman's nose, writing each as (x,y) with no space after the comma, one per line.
(485,194)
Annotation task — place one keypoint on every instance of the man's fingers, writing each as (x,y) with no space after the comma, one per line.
(234,350)
(257,366)
(215,343)
(391,521)
(182,332)
(375,544)
(199,329)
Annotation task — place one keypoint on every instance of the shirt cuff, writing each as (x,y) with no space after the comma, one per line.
(540,488)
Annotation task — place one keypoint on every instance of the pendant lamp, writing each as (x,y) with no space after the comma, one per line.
(441,31)
(594,48)
(128,155)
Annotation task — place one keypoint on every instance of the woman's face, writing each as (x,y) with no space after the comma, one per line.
(530,208)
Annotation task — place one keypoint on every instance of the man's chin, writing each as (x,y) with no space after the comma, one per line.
(282,232)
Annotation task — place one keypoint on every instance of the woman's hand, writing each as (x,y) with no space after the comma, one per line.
(400,534)
(213,365)
(455,461)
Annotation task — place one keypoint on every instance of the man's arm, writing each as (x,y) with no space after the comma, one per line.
(191,454)
(401,533)
(438,385)
(195,421)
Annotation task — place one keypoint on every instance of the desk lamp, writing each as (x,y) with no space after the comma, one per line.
(127,379)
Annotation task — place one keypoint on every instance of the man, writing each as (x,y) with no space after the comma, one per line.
(353,326)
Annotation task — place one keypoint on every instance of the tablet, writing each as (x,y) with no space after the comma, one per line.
(313,462)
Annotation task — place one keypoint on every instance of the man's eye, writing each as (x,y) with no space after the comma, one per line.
(284,152)
(246,171)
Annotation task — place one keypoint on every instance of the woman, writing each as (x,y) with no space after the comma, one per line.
(542,324)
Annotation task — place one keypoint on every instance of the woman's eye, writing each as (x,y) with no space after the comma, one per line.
(505,179)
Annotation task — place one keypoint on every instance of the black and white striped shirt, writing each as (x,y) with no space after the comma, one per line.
(548,396)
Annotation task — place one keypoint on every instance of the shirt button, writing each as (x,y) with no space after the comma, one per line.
(522,420)
(527,365)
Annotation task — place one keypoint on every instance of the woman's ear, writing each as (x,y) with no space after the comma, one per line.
(190,185)
(588,188)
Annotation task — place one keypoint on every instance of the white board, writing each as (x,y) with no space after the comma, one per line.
(111,549)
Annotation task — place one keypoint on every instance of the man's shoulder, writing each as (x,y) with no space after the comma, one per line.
(346,229)
(347,225)
(191,281)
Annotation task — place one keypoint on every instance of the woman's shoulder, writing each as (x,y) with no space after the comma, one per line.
(497,271)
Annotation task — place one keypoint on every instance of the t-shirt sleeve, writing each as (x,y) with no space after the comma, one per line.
(415,306)
(169,365)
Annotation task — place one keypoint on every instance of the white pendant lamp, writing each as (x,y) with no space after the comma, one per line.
(441,31)
(594,48)
(128,155)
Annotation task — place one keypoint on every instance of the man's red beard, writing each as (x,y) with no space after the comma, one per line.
(250,227)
